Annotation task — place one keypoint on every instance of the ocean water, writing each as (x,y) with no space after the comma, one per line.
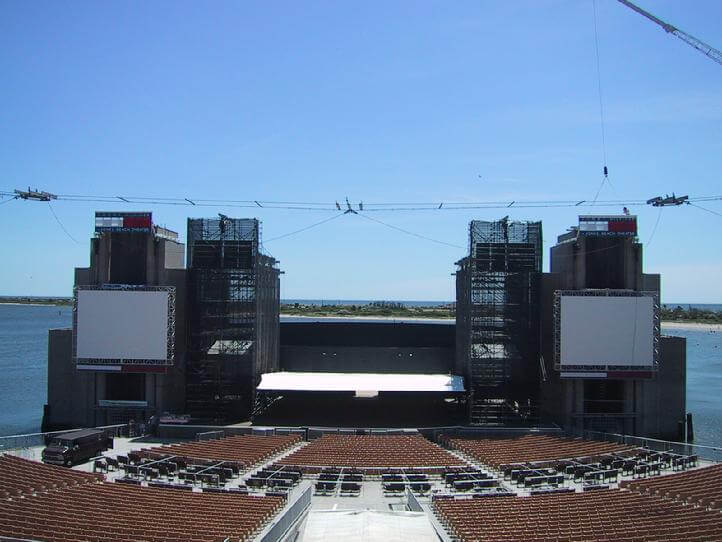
(704,381)
(24,363)
(24,351)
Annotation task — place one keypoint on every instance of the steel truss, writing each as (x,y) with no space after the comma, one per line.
(498,333)
(234,307)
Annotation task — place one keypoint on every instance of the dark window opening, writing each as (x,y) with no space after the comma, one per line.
(125,387)
(604,397)
(128,258)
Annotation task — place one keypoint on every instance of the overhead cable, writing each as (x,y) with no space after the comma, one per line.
(704,208)
(407,232)
(289,234)
(61,225)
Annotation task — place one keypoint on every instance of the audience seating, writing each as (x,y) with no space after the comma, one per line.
(370,452)
(79,507)
(496,452)
(702,487)
(23,477)
(245,450)
(603,516)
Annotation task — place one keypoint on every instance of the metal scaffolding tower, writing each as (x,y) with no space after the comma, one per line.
(234,317)
(498,333)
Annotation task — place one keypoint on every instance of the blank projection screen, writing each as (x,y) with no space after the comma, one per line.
(117,324)
(607,330)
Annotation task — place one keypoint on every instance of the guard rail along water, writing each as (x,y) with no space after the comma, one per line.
(17,443)
(711,453)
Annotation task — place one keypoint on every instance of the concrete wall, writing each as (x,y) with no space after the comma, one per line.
(652,407)
(651,282)
(662,403)
(368,347)
(367,359)
(368,334)
(71,393)
(552,402)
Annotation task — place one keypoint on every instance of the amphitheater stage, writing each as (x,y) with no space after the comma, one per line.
(360,382)
(346,409)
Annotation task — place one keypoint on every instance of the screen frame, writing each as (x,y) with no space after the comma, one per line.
(558,294)
(170,326)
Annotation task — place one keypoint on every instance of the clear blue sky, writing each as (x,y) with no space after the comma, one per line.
(377,101)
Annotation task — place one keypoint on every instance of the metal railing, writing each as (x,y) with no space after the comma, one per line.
(20,442)
(280,527)
(412,502)
(210,435)
(710,453)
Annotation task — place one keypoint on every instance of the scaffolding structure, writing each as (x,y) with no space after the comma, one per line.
(497,322)
(234,302)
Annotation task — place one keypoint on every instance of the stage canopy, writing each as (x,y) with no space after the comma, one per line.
(360,382)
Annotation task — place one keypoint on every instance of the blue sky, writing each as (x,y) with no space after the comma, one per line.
(377,101)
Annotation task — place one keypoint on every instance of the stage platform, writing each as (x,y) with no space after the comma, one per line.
(360,382)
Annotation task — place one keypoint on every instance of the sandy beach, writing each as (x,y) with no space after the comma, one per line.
(712,328)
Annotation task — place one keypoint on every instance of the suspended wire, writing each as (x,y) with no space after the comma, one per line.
(7,201)
(61,224)
(601,102)
(654,230)
(407,232)
(368,207)
(289,234)
(599,190)
(704,209)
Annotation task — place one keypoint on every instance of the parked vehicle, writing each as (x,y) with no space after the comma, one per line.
(77,446)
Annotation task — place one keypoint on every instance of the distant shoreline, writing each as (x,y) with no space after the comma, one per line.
(37,301)
(366,317)
(15,303)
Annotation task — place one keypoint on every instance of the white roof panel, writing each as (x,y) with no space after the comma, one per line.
(365,382)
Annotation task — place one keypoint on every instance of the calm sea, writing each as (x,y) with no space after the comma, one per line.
(24,351)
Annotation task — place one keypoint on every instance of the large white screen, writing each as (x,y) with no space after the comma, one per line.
(602,330)
(113,324)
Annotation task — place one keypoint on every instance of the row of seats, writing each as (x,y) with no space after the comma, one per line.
(603,516)
(246,450)
(22,477)
(370,451)
(702,487)
(500,451)
(105,512)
